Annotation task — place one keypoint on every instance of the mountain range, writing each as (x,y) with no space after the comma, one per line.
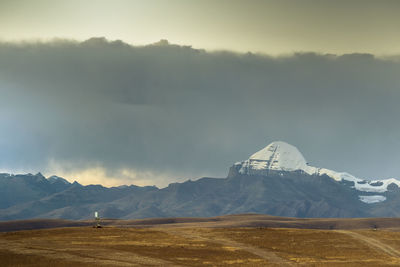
(276,180)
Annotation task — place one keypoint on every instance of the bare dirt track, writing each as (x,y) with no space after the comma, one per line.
(236,240)
(188,246)
(115,247)
(190,233)
(373,243)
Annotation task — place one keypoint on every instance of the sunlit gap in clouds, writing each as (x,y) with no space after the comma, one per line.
(98,174)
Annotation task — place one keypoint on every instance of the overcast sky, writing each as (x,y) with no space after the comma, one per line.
(120,112)
(268,26)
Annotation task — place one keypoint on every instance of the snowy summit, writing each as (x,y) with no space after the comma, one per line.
(278,156)
(281,156)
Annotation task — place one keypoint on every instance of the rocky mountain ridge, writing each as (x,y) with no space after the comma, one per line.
(276,181)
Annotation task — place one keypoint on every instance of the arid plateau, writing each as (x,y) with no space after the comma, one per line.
(234,240)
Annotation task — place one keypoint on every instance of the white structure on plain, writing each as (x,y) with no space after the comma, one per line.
(97,220)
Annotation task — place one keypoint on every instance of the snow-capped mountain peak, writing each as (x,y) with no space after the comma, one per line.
(280,156)
(277,156)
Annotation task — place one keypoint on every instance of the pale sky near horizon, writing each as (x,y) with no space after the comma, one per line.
(269,26)
(103,112)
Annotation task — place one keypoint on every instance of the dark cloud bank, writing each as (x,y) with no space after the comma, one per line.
(179,110)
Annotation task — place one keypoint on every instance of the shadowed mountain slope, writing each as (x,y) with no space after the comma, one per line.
(276,180)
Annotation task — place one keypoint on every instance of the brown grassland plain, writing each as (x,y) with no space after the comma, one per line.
(194,246)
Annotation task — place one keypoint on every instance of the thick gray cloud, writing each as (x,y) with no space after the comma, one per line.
(177,110)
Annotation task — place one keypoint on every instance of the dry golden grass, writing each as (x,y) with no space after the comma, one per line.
(192,246)
(114,246)
(321,247)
